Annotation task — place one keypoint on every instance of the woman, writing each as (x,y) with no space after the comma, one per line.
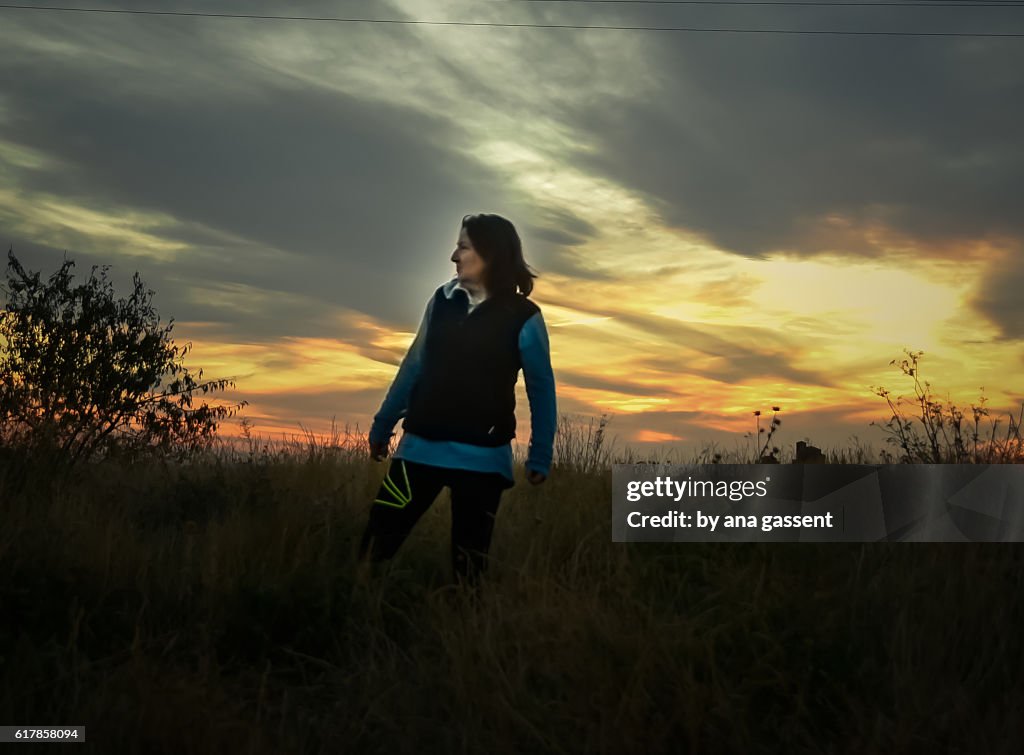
(456,390)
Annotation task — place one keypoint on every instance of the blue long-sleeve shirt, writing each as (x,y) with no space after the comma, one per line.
(535,354)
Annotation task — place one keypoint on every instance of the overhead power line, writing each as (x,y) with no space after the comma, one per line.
(253,16)
(819,3)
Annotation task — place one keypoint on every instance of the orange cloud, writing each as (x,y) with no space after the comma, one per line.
(652,436)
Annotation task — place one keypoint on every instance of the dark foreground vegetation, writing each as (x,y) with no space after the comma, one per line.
(211,606)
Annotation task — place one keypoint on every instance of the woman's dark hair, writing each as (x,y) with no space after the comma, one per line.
(495,239)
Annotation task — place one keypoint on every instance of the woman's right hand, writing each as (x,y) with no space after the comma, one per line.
(378,451)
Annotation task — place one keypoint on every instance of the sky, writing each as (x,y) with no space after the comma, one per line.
(720,222)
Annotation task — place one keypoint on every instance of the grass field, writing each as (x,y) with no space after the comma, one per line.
(211,607)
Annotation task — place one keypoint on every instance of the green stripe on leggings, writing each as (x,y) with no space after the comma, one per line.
(403,498)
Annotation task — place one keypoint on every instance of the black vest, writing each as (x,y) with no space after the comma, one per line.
(466,388)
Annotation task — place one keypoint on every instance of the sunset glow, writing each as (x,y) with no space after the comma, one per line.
(292,196)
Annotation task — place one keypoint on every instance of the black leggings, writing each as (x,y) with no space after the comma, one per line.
(409,489)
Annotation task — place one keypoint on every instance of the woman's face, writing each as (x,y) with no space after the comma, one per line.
(469,266)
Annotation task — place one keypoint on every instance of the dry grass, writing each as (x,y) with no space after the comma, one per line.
(211,607)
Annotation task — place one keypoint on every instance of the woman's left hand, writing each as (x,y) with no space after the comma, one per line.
(535,477)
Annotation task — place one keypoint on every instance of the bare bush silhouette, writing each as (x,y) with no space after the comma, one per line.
(938,433)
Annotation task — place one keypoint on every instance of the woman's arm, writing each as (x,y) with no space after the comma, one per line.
(396,402)
(535,353)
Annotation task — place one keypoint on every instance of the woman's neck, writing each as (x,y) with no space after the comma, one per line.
(476,291)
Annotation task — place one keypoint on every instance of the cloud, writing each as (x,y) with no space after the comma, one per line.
(597,382)
(278,181)
(815,145)
(319,405)
(320,177)
(739,353)
(274,184)
(998,296)
(276,159)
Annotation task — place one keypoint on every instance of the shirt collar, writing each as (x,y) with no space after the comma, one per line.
(473,299)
